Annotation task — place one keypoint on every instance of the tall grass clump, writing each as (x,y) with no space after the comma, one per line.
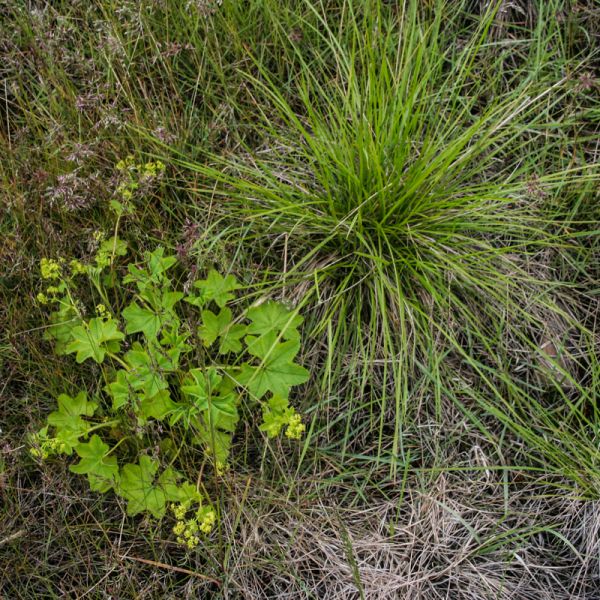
(401,180)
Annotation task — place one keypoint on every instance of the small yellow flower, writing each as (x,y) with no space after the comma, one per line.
(193,542)
(49,268)
(152,169)
(221,468)
(77,268)
(100,309)
(295,427)
(125,163)
(179,511)
(187,530)
(98,235)
(191,526)
(42,298)
(208,522)
(179,528)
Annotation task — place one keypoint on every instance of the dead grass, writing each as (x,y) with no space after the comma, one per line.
(456,525)
(447,536)
(451,539)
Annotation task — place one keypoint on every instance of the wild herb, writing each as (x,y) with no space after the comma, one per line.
(175,370)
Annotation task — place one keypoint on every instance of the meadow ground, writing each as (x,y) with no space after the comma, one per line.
(419,179)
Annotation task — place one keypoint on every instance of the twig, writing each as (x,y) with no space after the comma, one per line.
(12,537)
(171,568)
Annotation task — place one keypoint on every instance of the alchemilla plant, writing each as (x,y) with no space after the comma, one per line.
(175,370)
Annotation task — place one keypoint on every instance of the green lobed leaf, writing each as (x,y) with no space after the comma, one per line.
(102,470)
(94,339)
(175,491)
(70,410)
(137,487)
(221,326)
(174,341)
(162,301)
(119,390)
(277,372)
(144,492)
(68,419)
(169,299)
(222,411)
(63,321)
(199,385)
(104,255)
(274,317)
(157,265)
(142,320)
(147,368)
(230,339)
(214,288)
(217,442)
(157,406)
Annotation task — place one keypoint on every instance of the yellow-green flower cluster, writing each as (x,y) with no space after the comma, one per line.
(295,427)
(99,235)
(126,163)
(126,189)
(77,268)
(128,186)
(221,468)
(50,268)
(51,294)
(277,414)
(153,168)
(209,518)
(44,448)
(136,172)
(53,270)
(188,530)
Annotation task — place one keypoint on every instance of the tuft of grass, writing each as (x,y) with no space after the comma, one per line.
(403,178)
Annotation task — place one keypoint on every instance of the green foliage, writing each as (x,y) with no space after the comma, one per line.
(141,319)
(95,339)
(221,327)
(409,171)
(161,385)
(68,420)
(273,317)
(137,485)
(102,470)
(215,287)
(277,371)
(78,74)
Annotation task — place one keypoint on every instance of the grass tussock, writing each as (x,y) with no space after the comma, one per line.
(404,186)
